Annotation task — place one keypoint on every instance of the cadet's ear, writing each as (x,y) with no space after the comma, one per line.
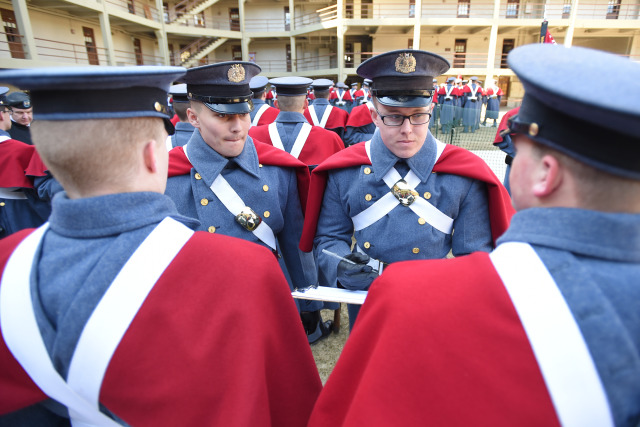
(548,176)
(150,155)
(192,115)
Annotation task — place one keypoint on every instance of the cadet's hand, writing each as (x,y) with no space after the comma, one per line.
(356,276)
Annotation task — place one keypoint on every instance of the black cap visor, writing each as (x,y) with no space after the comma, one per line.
(404,99)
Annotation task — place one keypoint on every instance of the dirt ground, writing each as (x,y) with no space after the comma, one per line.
(327,351)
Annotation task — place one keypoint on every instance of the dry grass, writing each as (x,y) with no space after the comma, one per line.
(327,351)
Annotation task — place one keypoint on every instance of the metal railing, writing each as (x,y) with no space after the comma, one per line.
(317,62)
(197,21)
(458,10)
(266,25)
(607,10)
(321,15)
(138,8)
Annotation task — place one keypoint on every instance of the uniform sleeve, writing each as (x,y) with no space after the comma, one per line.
(353,135)
(300,265)
(334,232)
(472,230)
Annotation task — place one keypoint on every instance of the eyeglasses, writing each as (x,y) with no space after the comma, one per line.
(398,119)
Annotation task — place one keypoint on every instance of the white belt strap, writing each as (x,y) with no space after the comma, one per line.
(234,204)
(13,193)
(169,143)
(388,202)
(259,114)
(325,116)
(3,138)
(103,331)
(562,354)
(298,144)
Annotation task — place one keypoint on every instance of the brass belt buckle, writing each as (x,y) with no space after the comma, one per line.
(248,219)
(405,194)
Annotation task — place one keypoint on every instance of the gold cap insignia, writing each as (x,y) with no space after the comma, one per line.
(236,73)
(406,63)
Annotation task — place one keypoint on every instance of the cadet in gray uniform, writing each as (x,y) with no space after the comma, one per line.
(544,330)
(228,182)
(359,197)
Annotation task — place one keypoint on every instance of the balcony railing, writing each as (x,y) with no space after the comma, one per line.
(266,25)
(131,58)
(458,10)
(610,10)
(316,62)
(321,15)
(198,21)
(138,8)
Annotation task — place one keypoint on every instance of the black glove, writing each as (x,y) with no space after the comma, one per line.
(356,276)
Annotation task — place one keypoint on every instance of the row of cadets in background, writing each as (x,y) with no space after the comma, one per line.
(116,312)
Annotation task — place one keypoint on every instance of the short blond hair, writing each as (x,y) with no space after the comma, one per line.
(291,103)
(88,154)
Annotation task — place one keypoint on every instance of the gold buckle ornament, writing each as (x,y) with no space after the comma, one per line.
(405,194)
(405,63)
(248,219)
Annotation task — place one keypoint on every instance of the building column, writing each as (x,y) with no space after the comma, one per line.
(294,56)
(244,43)
(340,30)
(161,35)
(568,38)
(105,28)
(24,26)
(416,25)
(493,41)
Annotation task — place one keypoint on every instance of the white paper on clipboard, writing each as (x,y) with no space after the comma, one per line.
(326,293)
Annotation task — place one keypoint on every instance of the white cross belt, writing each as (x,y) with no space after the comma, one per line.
(298,144)
(388,202)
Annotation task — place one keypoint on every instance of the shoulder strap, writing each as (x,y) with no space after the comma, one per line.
(94,351)
(259,114)
(562,354)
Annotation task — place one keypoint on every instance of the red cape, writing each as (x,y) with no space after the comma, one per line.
(267,155)
(345,97)
(454,160)
(337,118)
(14,161)
(320,144)
(359,116)
(195,355)
(504,124)
(438,343)
(269,116)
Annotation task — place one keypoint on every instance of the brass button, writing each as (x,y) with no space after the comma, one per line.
(368,197)
(533,129)
(427,195)
(367,171)
(415,250)
(2,203)
(212,229)
(158,107)
(265,187)
(259,165)
(266,214)
(422,221)
(433,171)
(198,176)
(204,202)
(367,245)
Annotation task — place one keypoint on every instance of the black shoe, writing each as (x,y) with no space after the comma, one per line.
(322,331)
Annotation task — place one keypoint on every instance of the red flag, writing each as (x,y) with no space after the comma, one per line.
(548,38)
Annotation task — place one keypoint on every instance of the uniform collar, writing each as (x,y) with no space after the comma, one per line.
(258,102)
(602,235)
(4,133)
(184,126)
(117,213)
(320,101)
(421,163)
(210,164)
(290,117)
